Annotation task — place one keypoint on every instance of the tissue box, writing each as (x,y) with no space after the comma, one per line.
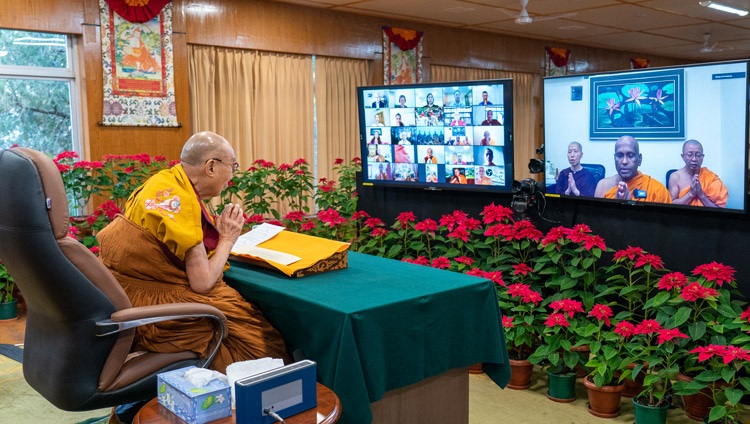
(195,405)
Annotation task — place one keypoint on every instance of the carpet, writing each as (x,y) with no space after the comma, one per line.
(23,405)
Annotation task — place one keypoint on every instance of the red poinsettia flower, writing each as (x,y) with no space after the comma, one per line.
(496,213)
(707,352)
(441,262)
(735,352)
(522,269)
(496,230)
(649,259)
(464,260)
(630,253)
(625,329)
(295,216)
(746,314)
(338,161)
(421,260)
(496,277)
(459,233)
(531,296)
(476,272)
(508,322)
(284,167)
(555,235)
(716,272)
(672,280)
(518,289)
(648,326)
(378,232)
(471,224)
(360,215)
(695,291)
(579,233)
(404,218)
(601,312)
(428,225)
(568,306)
(557,320)
(374,222)
(592,241)
(666,335)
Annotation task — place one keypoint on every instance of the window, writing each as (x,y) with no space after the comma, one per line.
(38,95)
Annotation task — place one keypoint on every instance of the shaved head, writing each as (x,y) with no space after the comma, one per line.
(202,146)
(692,143)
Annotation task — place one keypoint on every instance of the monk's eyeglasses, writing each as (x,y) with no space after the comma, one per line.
(235,166)
(693,155)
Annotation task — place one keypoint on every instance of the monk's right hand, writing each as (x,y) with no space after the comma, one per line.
(230,222)
(622,191)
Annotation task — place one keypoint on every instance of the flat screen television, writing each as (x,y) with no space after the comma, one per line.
(683,129)
(453,136)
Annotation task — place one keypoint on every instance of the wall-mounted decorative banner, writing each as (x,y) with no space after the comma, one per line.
(557,61)
(639,63)
(402,56)
(138,69)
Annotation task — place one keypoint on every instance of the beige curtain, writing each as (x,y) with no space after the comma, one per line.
(336,82)
(261,102)
(527,113)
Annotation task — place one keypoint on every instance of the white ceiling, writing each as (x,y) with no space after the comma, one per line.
(673,28)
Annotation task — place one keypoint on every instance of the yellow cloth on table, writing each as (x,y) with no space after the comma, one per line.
(310,249)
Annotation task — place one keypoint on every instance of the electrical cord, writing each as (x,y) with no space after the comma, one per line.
(274,415)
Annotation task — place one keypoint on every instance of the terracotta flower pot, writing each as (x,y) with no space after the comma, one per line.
(604,402)
(476,368)
(697,406)
(634,386)
(520,374)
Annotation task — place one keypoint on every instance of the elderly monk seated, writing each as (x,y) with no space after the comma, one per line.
(629,183)
(695,185)
(167,248)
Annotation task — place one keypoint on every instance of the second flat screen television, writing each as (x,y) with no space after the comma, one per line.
(455,136)
(689,124)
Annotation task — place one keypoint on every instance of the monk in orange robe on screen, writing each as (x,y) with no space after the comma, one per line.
(695,185)
(629,183)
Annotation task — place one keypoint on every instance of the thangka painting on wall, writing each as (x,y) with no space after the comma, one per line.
(137,57)
(557,61)
(402,56)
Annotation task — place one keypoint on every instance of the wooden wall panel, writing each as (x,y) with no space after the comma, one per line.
(272,26)
(266,25)
(131,140)
(42,15)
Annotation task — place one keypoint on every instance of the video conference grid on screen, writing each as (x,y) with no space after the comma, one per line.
(453,136)
(688,123)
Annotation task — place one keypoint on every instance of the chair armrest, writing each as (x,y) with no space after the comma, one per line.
(126,319)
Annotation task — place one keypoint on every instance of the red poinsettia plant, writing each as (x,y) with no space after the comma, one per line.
(655,350)
(560,337)
(523,321)
(726,375)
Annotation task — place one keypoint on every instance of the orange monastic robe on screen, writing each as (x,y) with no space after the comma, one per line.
(712,186)
(655,191)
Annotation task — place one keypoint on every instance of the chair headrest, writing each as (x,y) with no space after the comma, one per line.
(54,189)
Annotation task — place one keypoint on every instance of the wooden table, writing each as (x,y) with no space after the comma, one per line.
(327,412)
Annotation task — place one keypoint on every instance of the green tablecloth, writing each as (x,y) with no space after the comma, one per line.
(380,324)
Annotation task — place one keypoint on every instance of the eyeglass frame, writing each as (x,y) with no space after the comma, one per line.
(234,166)
(697,155)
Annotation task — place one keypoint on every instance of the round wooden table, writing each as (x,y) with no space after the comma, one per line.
(327,412)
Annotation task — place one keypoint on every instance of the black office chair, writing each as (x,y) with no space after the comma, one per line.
(596,169)
(80,324)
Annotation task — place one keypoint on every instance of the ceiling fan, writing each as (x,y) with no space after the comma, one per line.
(523,18)
(711,48)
